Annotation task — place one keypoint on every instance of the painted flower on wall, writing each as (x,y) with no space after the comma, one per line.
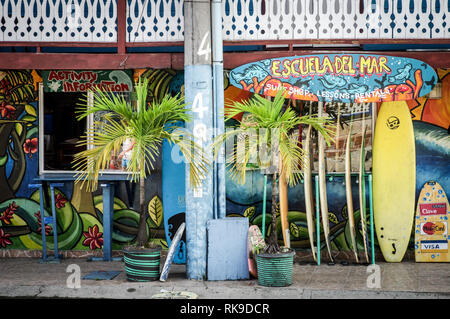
(7,111)
(5,86)
(4,239)
(48,228)
(60,200)
(30,146)
(7,215)
(94,239)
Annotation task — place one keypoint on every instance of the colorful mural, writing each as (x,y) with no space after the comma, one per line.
(80,228)
(431,127)
(79,214)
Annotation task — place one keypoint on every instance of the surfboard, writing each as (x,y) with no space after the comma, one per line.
(255,244)
(283,196)
(337,138)
(362,191)
(170,254)
(348,193)
(431,238)
(394,179)
(307,184)
(323,188)
(173,197)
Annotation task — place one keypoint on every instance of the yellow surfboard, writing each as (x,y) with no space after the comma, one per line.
(394,179)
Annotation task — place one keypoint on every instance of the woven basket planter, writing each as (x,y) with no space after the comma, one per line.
(142,264)
(275,270)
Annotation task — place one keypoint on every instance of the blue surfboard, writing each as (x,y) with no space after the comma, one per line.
(173,197)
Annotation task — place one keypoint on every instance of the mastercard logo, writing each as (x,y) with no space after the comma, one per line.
(434,228)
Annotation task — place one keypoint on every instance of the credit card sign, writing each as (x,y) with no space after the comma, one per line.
(434,246)
(430,209)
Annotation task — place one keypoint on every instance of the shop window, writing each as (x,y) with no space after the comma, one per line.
(60,131)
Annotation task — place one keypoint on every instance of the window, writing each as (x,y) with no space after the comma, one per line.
(60,131)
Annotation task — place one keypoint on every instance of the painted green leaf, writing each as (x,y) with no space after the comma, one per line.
(19,128)
(249,212)
(332,218)
(161,242)
(344,212)
(126,223)
(294,230)
(32,132)
(3,160)
(155,210)
(69,238)
(30,110)
(341,243)
(118,203)
(29,118)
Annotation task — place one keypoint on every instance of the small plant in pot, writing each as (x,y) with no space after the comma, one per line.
(136,132)
(268,127)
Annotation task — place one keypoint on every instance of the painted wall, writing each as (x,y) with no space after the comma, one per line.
(81,229)
(79,214)
(431,120)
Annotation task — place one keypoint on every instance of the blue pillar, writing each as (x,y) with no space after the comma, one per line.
(199,201)
(203,79)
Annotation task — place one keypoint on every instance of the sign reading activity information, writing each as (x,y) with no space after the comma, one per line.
(338,77)
(82,81)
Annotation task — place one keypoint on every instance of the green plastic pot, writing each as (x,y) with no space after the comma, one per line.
(142,264)
(275,270)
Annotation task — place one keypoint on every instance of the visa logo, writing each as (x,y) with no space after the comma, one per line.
(434,246)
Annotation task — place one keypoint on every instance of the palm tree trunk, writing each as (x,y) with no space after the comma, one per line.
(272,243)
(142,232)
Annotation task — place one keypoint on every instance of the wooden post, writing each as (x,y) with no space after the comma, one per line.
(121,26)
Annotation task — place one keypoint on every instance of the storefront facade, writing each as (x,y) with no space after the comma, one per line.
(39,92)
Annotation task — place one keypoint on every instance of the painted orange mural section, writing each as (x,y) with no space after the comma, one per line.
(434,111)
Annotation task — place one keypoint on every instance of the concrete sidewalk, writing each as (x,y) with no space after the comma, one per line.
(26,277)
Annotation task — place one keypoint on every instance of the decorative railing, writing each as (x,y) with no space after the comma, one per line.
(58,20)
(336,19)
(243,20)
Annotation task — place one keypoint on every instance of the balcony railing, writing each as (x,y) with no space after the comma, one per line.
(149,21)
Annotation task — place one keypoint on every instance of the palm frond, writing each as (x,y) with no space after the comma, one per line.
(147,124)
(274,123)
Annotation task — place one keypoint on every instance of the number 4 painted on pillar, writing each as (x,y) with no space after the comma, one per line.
(197,105)
(202,50)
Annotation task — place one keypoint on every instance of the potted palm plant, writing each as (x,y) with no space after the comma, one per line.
(139,129)
(273,125)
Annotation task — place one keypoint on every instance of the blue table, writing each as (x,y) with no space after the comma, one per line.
(106,182)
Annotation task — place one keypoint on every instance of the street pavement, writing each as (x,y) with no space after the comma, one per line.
(28,278)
